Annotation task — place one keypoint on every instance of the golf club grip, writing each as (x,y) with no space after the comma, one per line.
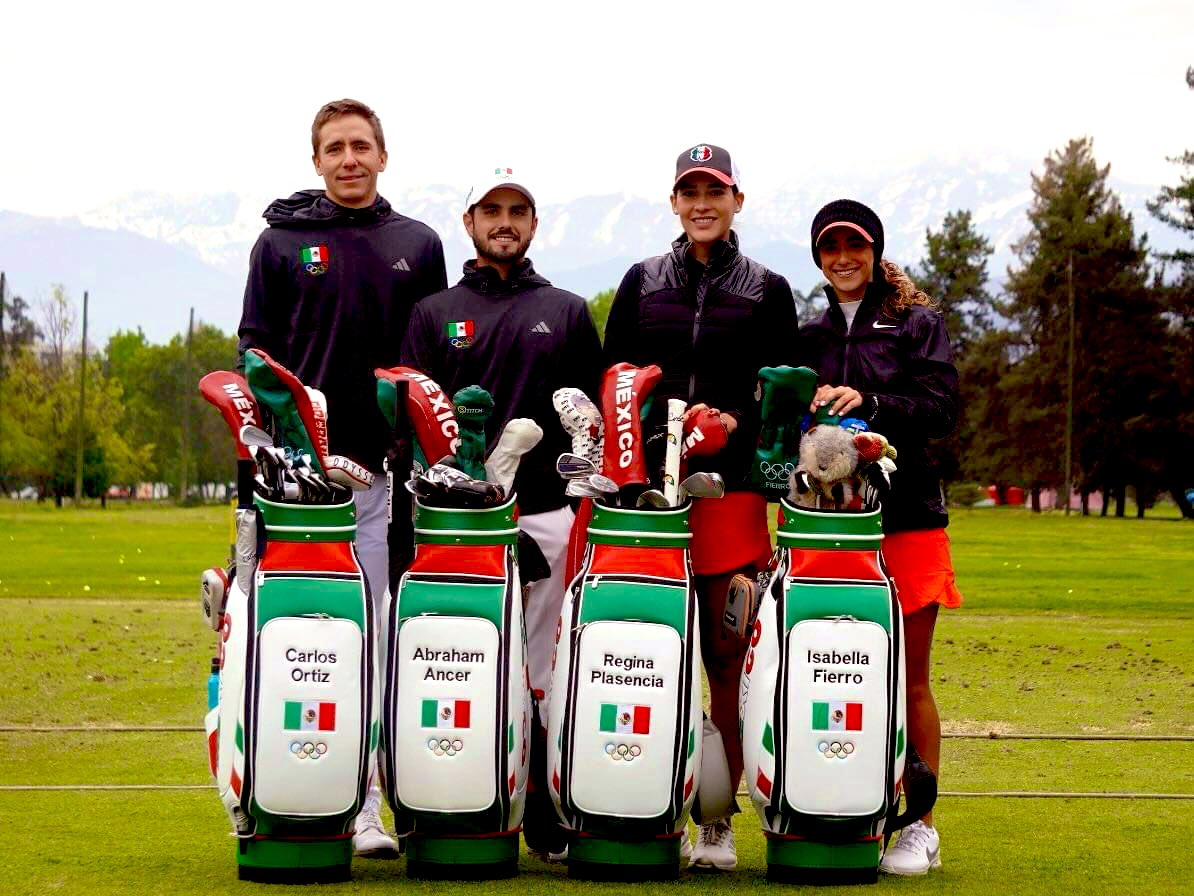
(671,457)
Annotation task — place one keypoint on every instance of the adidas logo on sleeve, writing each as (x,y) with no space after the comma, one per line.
(541,328)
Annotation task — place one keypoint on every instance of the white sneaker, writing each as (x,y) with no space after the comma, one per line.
(916,851)
(715,846)
(371,840)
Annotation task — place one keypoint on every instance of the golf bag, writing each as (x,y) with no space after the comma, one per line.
(294,725)
(822,699)
(624,714)
(456,715)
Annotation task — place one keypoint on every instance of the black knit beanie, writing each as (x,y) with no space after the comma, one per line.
(849,212)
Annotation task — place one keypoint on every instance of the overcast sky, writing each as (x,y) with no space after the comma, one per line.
(101,99)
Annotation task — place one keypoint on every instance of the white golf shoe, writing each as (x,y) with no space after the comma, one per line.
(715,846)
(916,851)
(371,840)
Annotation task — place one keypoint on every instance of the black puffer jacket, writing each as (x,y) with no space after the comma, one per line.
(904,368)
(710,328)
(334,320)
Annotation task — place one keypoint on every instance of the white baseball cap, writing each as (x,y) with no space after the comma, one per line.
(491,179)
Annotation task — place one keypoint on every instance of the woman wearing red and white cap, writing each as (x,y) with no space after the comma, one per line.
(710,318)
(882,353)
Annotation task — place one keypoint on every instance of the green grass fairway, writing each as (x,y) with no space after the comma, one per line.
(1070,626)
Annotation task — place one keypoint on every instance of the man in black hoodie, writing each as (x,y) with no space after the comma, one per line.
(331,284)
(507,329)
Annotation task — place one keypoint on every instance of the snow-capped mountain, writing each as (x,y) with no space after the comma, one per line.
(149,256)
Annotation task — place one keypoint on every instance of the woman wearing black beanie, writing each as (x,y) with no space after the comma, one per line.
(882,353)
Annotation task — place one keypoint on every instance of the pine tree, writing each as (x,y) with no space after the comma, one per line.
(1080,230)
(1175,289)
(954,273)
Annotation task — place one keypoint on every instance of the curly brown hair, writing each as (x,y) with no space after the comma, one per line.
(904,293)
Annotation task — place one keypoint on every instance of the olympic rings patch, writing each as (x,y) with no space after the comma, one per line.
(460,341)
(777,472)
(315,269)
(623,752)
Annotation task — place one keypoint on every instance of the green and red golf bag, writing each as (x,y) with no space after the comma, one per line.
(456,703)
(624,719)
(822,699)
(297,701)
(291,723)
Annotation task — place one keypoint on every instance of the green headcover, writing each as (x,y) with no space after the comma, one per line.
(473,406)
(274,394)
(784,396)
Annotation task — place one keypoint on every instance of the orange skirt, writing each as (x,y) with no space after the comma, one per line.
(729,533)
(919,564)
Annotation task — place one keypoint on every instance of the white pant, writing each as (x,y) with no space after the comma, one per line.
(550,530)
(374,556)
(372,549)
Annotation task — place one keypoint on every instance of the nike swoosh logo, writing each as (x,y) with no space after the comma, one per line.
(933,853)
(879,326)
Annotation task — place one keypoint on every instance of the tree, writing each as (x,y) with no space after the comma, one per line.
(1080,233)
(156,383)
(954,273)
(808,305)
(1175,206)
(599,307)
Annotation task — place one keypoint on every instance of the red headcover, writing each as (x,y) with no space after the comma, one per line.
(431,414)
(624,388)
(703,434)
(230,394)
(314,420)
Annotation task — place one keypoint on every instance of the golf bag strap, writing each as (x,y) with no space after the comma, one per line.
(920,793)
(432,420)
(624,389)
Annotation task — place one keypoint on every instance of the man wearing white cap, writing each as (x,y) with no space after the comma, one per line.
(506,328)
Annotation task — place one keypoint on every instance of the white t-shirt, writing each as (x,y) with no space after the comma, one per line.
(850,309)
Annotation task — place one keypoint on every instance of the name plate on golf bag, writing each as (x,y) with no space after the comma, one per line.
(622,740)
(838,717)
(309,748)
(445,713)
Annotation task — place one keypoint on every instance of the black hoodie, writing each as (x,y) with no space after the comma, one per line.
(520,339)
(329,295)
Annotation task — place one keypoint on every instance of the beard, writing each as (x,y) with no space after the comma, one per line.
(502,253)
